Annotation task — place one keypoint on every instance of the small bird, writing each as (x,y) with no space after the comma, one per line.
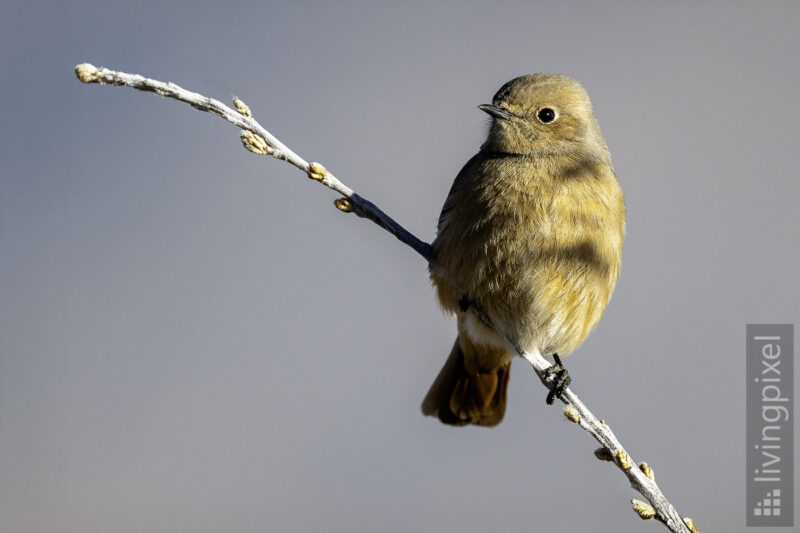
(531,235)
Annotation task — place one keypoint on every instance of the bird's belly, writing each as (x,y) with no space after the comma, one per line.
(549,296)
(541,266)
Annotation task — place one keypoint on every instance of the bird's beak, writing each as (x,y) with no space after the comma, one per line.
(495,111)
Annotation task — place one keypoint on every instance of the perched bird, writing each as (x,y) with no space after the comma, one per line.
(531,232)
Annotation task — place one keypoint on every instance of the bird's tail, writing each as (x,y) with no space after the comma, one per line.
(459,397)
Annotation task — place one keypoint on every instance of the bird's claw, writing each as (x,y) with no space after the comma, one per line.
(557,379)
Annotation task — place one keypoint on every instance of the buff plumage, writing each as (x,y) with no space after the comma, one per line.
(532,229)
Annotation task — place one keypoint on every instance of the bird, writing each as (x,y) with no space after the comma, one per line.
(528,245)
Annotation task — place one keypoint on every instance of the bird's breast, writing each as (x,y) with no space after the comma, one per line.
(540,249)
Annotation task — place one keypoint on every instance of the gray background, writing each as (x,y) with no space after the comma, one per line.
(193,339)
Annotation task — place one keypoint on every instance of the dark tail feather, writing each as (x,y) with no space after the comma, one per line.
(459,398)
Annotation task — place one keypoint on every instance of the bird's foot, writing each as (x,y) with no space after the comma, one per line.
(557,378)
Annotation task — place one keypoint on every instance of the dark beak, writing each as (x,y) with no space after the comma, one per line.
(496,112)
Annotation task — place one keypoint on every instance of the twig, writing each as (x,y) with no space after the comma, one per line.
(258,140)
(273,146)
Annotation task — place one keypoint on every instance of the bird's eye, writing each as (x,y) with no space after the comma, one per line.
(546,115)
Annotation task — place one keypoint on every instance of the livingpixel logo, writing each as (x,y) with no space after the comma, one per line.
(770,425)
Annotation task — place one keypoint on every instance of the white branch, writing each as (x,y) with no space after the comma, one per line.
(264,142)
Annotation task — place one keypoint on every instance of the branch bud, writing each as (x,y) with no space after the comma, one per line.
(344,205)
(571,414)
(87,73)
(316,171)
(647,470)
(623,460)
(643,509)
(241,107)
(255,143)
(604,454)
(690,524)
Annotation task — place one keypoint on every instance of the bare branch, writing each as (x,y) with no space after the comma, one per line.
(272,145)
(258,140)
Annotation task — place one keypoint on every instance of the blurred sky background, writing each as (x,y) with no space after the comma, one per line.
(193,338)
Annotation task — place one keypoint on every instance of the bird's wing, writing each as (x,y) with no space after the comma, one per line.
(452,196)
